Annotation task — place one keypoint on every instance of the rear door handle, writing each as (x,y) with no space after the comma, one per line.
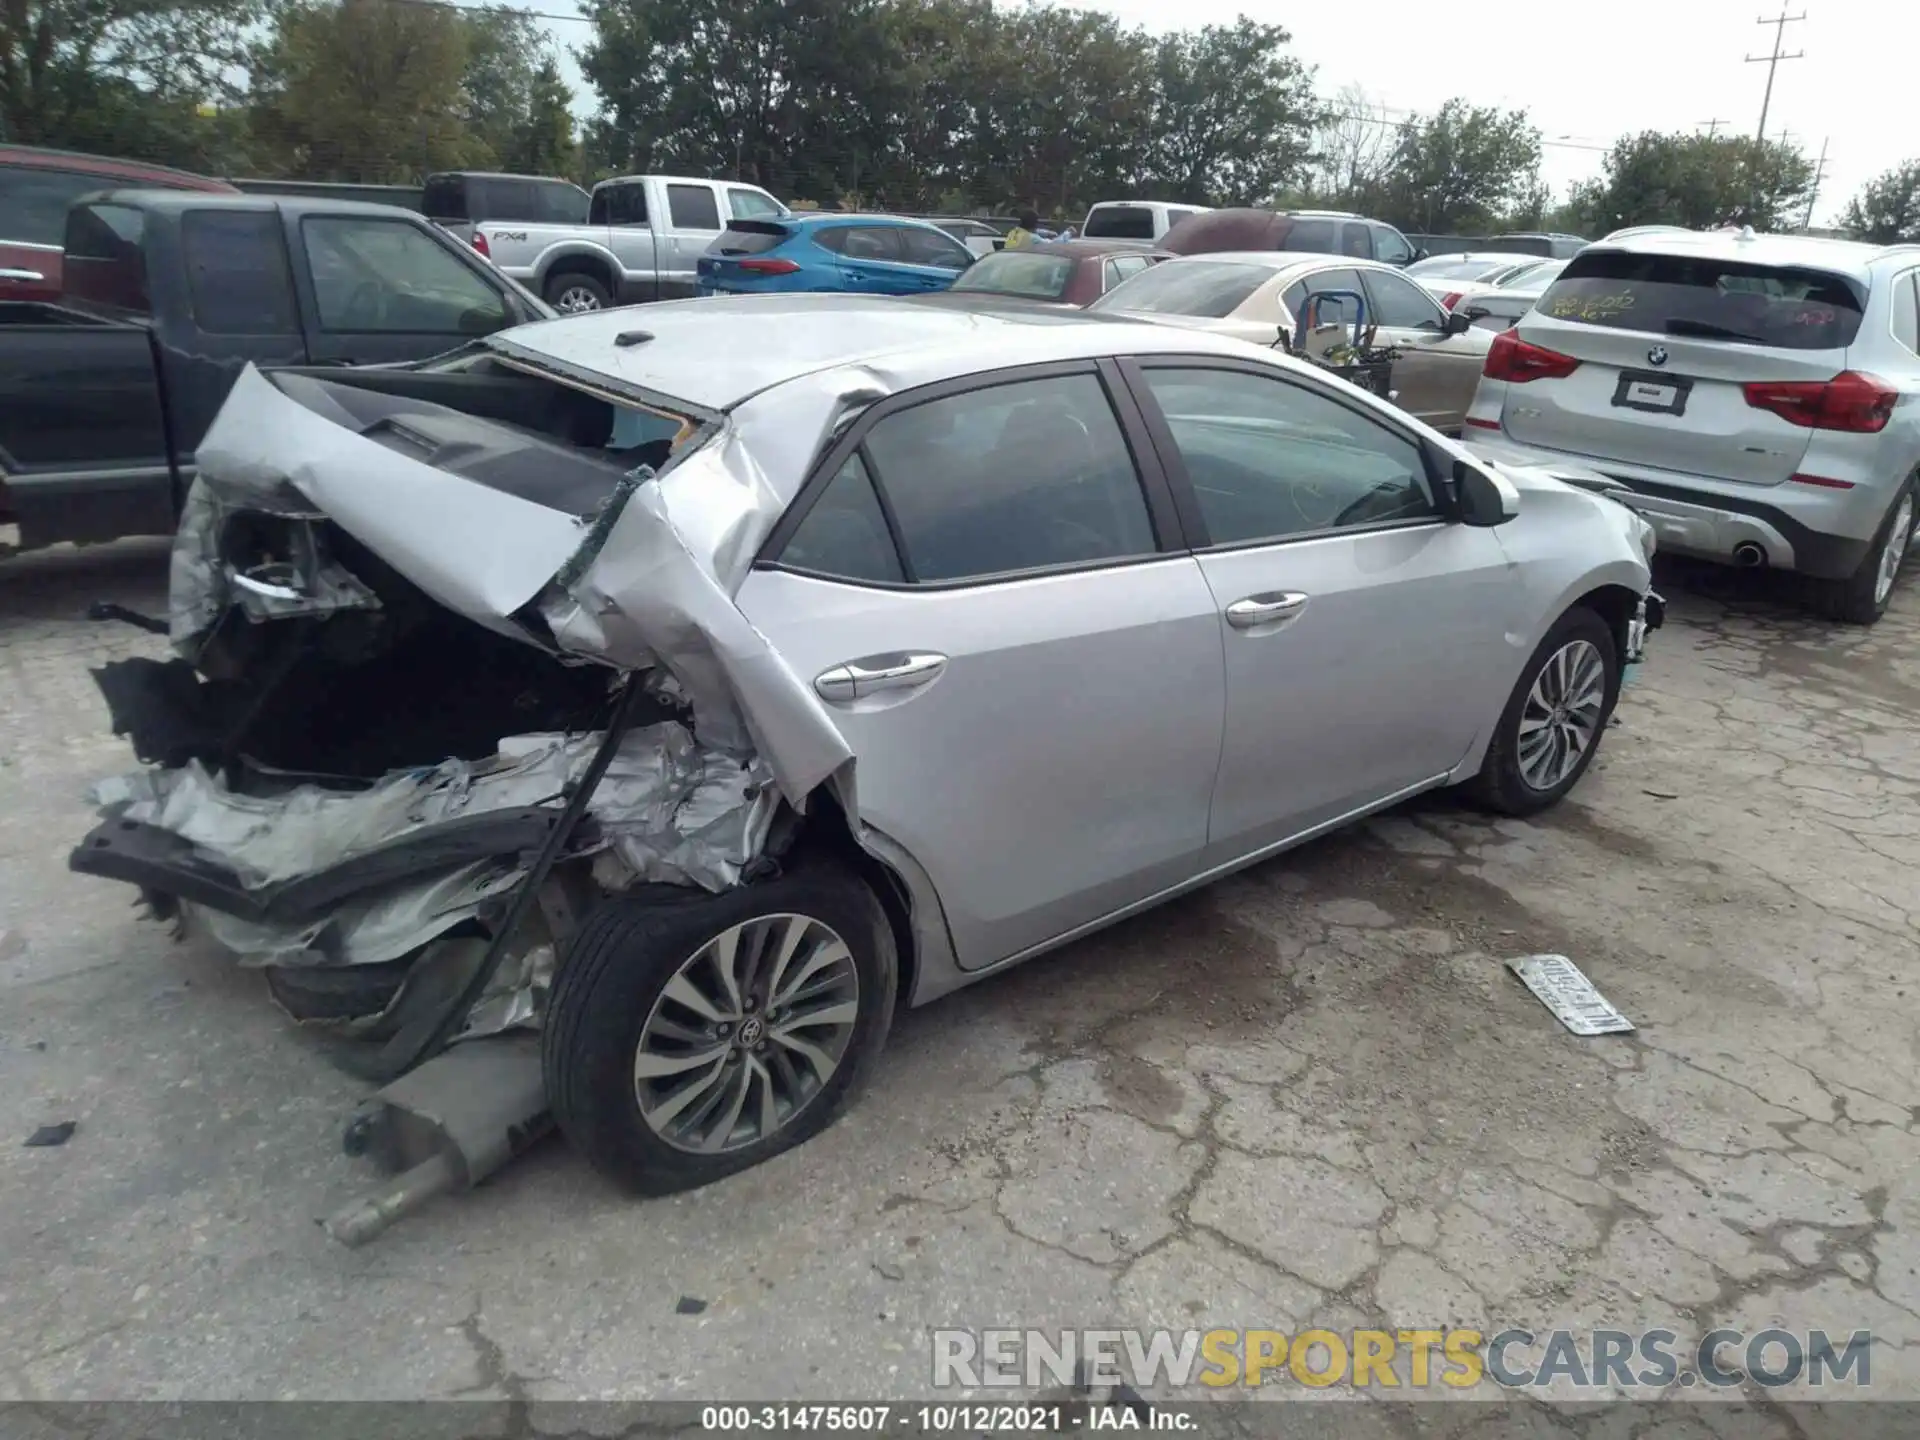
(1265,609)
(25,277)
(859,678)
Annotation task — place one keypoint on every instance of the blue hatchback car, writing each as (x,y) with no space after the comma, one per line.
(854,254)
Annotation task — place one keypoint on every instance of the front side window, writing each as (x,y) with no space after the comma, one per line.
(1742,302)
(935,248)
(693,207)
(1024,476)
(1390,245)
(391,277)
(237,272)
(1399,304)
(1269,459)
(1211,288)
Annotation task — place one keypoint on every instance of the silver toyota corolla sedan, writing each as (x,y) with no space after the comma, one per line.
(689,683)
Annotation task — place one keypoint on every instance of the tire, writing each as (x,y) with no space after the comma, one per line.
(337,992)
(610,995)
(1508,780)
(1858,599)
(573,292)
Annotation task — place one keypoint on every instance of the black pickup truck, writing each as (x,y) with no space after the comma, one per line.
(105,395)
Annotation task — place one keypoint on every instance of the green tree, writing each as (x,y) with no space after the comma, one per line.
(146,79)
(542,142)
(504,52)
(1234,114)
(1461,168)
(1697,181)
(1887,209)
(368,91)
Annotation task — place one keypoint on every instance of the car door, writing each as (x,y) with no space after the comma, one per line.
(930,259)
(1390,247)
(693,212)
(1435,374)
(1030,674)
(375,288)
(619,219)
(1363,631)
(870,257)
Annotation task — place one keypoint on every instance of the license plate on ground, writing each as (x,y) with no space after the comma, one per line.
(1575,1003)
(1656,394)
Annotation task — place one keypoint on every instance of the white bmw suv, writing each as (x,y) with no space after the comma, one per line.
(1758,394)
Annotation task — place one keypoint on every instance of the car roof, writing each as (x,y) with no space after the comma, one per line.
(1491,257)
(110,169)
(1848,257)
(693,353)
(1080,249)
(501,175)
(818,219)
(1279,261)
(150,199)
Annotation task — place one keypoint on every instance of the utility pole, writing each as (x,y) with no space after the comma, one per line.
(1772,62)
(1712,125)
(1813,194)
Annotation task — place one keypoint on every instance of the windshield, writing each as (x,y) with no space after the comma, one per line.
(1011,272)
(1783,306)
(1119,222)
(1452,267)
(1212,289)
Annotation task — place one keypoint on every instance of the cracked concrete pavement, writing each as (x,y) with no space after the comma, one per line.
(1310,1095)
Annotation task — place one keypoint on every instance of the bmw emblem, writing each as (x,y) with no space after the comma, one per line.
(1657,355)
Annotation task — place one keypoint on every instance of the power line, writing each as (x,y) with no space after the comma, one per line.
(1712,125)
(1772,62)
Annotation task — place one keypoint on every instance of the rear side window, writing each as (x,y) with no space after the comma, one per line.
(1120,222)
(105,263)
(618,205)
(865,242)
(237,272)
(33,202)
(507,199)
(1743,303)
(1314,236)
(694,207)
(1906,312)
(445,198)
(1211,288)
(845,533)
(757,240)
(1355,241)
(1025,476)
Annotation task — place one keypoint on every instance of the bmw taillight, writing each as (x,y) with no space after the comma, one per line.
(767,267)
(1516,361)
(1851,401)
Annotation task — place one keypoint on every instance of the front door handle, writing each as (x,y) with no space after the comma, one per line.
(1265,609)
(859,678)
(25,277)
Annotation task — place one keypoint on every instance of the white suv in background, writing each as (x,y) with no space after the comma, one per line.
(1759,394)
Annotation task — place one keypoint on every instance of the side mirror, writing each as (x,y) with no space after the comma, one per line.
(1420,254)
(1485,498)
(1458,323)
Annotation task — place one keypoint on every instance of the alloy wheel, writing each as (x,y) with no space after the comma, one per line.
(1899,536)
(575,299)
(1561,719)
(746,1034)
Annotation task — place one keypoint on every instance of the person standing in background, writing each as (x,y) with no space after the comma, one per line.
(1027,232)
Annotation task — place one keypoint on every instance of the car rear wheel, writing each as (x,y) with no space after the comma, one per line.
(690,1038)
(1862,598)
(572,293)
(1555,717)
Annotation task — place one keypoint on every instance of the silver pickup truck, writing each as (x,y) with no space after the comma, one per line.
(643,239)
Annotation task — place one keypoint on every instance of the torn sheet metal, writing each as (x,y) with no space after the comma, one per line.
(200,587)
(676,811)
(1559,985)
(479,551)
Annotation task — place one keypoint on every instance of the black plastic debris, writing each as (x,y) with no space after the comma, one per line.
(688,1305)
(50,1135)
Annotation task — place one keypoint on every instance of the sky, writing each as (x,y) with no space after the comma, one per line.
(1591,73)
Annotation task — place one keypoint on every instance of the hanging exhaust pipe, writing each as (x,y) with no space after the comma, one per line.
(1749,555)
